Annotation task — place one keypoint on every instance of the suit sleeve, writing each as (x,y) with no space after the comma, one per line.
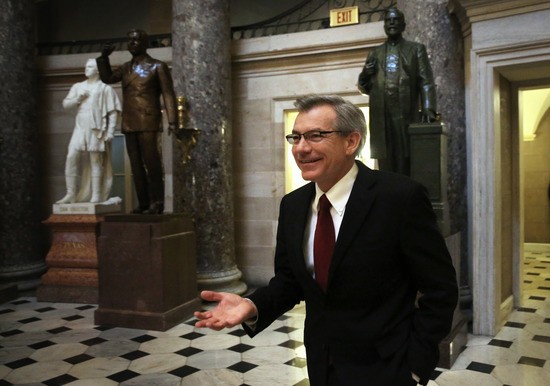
(283,291)
(168,95)
(364,82)
(435,279)
(428,97)
(106,74)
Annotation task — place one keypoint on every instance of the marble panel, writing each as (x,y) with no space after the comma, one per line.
(256,208)
(256,159)
(58,352)
(11,354)
(122,333)
(75,336)
(503,31)
(256,233)
(98,367)
(466,378)
(486,354)
(266,338)
(512,334)
(523,375)
(153,379)
(213,359)
(4,371)
(157,363)
(210,377)
(112,348)
(532,349)
(26,339)
(275,375)
(180,329)
(93,382)
(266,355)
(260,184)
(37,372)
(164,345)
(42,325)
(215,342)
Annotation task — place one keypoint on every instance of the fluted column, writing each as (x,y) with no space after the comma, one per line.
(21,259)
(203,188)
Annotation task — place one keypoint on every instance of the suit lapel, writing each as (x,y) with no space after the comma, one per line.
(297,222)
(357,209)
(144,67)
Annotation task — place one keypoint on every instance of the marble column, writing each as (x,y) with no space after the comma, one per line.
(21,254)
(203,187)
(429,22)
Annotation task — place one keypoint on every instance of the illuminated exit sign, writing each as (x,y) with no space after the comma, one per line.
(344,16)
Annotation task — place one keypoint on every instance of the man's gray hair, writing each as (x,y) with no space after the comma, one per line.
(349,118)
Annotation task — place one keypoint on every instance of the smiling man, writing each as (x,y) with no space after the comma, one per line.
(359,246)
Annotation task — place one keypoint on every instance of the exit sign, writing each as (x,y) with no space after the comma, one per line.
(344,16)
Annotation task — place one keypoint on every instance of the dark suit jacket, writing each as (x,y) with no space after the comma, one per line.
(416,90)
(141,90)
(388,248)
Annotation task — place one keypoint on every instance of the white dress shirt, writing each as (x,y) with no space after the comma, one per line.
(338,196)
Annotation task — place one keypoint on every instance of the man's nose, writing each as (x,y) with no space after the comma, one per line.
(302,145)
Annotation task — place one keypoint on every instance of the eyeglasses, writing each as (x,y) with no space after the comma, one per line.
(310,136)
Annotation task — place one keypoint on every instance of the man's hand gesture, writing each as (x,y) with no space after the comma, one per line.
(230,311)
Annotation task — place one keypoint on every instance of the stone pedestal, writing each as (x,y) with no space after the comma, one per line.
(428,147)
(455,342)
(72,260)
(147,271)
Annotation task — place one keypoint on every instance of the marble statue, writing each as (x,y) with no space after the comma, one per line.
(98,108)
(144,80)
(398,78)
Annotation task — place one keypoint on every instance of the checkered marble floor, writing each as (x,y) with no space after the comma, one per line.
(58,344)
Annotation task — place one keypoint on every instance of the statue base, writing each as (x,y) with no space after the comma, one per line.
(72,259)
(455,342)
(112,205)
(147,271)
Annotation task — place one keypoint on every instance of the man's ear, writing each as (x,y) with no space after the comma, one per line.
(353,140)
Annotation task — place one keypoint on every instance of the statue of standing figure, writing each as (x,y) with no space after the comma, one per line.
(144,80)
(398,78)
(98,109)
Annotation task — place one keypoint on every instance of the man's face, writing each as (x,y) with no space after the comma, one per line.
(136,44)
(394,24)
(327,161)
(90,69)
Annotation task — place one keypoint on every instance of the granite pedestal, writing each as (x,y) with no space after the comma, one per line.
(428,149)
(72,260)
(455,342)
(147,271)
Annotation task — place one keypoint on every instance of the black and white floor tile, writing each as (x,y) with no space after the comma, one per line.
(58,344)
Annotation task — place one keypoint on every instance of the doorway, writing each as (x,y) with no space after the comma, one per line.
(496,180)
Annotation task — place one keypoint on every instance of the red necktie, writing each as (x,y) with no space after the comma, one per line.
(323,242)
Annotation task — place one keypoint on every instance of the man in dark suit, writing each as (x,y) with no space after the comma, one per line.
(375,317)
(398,78)
(144,80)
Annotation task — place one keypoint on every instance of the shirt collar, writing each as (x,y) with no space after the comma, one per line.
(338,195)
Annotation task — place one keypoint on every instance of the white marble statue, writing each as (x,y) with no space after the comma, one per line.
(98,109)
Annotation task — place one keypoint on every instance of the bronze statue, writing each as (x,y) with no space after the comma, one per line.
(398,78)
(144,80)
